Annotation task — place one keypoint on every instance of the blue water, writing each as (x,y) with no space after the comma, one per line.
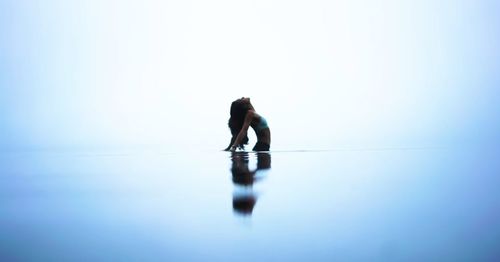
(438,204)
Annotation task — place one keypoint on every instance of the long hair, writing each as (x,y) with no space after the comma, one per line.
(239,110)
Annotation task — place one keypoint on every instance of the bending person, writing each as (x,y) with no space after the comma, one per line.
(243,116)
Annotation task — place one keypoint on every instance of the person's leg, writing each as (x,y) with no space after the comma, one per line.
(259,146)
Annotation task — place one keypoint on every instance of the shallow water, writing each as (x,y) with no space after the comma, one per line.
(379,204)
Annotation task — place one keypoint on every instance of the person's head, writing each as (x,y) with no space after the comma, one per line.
(242,103)
(239,109)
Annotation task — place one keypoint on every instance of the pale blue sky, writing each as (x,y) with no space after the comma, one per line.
(326,74)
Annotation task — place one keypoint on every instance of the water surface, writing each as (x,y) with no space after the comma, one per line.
(380,204)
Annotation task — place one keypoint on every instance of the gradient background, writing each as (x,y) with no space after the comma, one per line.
(405,94)
(326,74)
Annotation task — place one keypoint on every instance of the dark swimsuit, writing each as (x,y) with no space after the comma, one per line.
(261,146)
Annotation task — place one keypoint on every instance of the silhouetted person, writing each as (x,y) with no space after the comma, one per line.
(243,116)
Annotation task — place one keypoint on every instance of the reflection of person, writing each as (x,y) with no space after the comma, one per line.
(243,115)
(244,204)
(244,201)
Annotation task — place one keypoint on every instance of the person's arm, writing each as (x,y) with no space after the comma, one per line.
(230,143)
(243,131)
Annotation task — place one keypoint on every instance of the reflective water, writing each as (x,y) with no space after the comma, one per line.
(148,205)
